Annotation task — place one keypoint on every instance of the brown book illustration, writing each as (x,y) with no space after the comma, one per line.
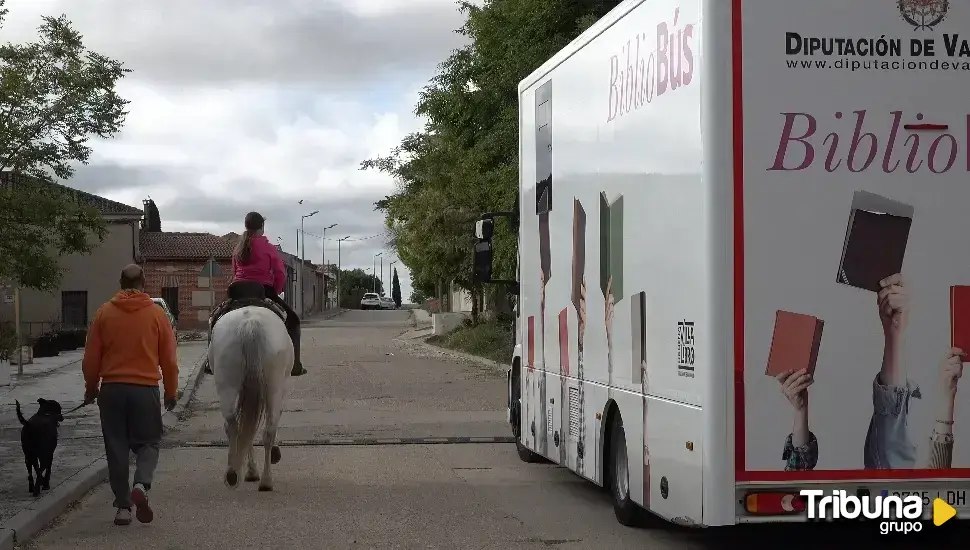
(611,245)
(794,343)
(875,240)
(579,252)
(960,318)
(638,338)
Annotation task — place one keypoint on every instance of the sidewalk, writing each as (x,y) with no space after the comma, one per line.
(80,449)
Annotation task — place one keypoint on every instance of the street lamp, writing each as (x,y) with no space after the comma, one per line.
(323,261)
(303,256)
(374,269)
(390,266)
(338,267)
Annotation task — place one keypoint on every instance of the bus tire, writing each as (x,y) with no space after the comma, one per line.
(627,512)
(515,408)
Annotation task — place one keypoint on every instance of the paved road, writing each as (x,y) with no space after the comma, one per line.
(363,385)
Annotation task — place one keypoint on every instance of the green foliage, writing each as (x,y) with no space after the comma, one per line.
(55,95)
(396,289)
(358,280)
(492,340)
(465,161)
(418,296)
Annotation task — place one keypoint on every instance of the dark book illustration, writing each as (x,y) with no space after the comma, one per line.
(611,245)
(960,318)
(564,342)
(875,240)
(794,343)
(638,338)
(579,252)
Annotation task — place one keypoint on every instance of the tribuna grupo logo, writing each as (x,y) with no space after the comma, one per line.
(896,514)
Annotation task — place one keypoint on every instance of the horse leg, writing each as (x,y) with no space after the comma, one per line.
(252,474)
(274,409)
(232,475)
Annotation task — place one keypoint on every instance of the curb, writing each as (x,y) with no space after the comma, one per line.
(27,523)
(171,418)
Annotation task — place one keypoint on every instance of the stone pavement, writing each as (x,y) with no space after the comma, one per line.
(80,445)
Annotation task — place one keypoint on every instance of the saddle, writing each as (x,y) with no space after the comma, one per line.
(245,294)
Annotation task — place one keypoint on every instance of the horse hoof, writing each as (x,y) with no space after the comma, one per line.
(265,488)
(275,455)
(252,477)
(232,478)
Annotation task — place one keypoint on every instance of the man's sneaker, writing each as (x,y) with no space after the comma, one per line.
(123,517)
(139,497)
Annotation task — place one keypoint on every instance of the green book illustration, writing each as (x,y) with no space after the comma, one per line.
(611,245)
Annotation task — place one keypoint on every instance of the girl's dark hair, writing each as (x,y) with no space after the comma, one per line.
(244,250)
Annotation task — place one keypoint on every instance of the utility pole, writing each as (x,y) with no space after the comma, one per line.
(338,267)
(323,261)
(373,271)
(302,259)
(383,288)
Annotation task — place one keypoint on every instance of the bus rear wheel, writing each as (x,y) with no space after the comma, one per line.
(515,410)
(627,512)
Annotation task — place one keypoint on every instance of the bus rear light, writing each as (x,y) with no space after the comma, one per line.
(773,504)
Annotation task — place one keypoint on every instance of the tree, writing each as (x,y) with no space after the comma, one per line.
(418,296)
(396,289)
(357,280)
(55,95)
(465,160)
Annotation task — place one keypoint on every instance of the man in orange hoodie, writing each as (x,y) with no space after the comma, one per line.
(127,342)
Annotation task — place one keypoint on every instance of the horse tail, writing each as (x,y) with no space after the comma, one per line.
(251,402)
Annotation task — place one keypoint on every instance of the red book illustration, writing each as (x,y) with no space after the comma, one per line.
(794,343)
(564,342)
(960,317)
(532,343)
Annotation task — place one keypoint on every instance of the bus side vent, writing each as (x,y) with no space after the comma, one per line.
(575,416)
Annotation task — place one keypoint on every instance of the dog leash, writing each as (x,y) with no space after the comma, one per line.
(82,405)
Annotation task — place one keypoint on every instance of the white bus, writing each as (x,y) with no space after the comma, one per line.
(743,259)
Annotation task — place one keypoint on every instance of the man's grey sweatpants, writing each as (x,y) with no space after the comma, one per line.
(131,420)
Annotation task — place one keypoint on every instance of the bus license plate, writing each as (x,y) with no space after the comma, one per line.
(956,498)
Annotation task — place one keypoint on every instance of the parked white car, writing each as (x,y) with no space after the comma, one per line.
(370,301)
(388,303)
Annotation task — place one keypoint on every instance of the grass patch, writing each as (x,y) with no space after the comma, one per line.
(491,340)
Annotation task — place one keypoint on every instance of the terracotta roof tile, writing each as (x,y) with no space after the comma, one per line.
(184,246)
(9,180)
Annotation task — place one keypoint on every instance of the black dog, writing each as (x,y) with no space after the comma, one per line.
(38,438)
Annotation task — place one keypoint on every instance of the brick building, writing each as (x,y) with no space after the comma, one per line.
(175,269)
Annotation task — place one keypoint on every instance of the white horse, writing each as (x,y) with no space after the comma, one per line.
(251,356)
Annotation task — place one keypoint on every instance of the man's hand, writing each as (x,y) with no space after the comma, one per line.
(951,370)
(170,403)
(90,396)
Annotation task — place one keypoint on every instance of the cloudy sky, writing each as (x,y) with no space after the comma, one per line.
(257,104)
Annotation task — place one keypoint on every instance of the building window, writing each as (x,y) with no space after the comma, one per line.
(74,308)
(171,296)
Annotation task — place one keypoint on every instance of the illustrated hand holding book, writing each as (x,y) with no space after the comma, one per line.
(564,341)
(611,246)
(875,240)
(794,343)
(545,260)
(638,323)
(579,252)
(960,318)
